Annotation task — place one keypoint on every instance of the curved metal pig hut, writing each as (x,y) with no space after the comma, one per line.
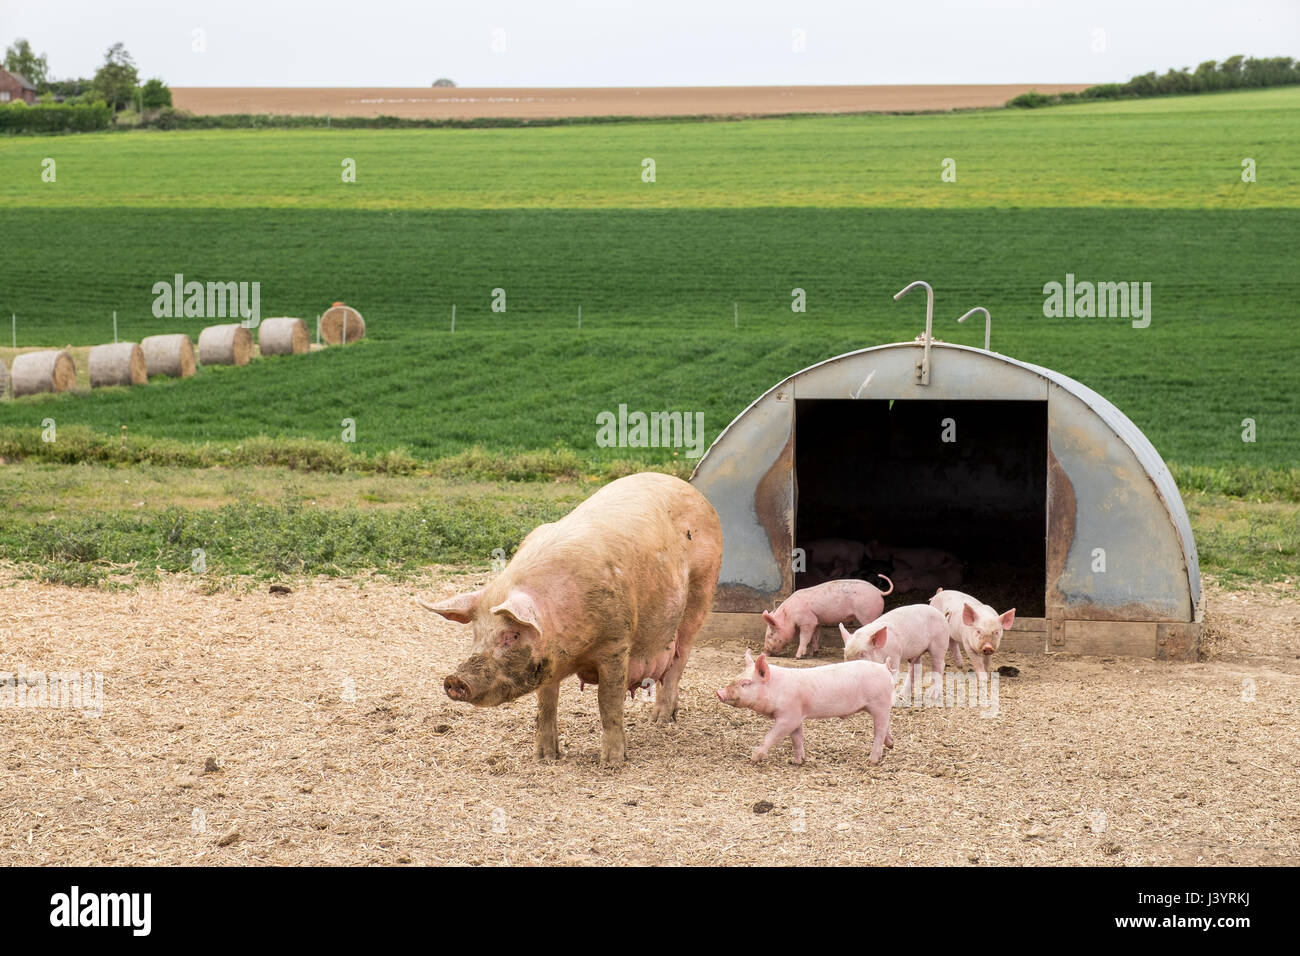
(1056,503)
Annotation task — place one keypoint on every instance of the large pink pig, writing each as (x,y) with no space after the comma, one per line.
(791,695)
(614,592)
(972,625)
(831,603)
(904,634)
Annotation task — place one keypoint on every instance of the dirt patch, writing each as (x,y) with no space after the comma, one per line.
(311,727)
(467,103)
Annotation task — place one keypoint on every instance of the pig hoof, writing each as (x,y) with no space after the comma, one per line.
(548,753)
(611,756)
(796,763)
(756,758)
(662,713)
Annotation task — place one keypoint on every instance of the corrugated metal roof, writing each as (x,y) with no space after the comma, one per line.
(1117,421)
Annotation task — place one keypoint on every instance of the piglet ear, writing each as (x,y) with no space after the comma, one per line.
(967,615)
(749,658)
(844,633)
(520,607)
(460,608)
(1008,619)
(760,667)
(879,637)
(770,618)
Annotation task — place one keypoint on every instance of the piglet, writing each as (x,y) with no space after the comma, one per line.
(904,634)
(972,625)
(790,695)
(831,603)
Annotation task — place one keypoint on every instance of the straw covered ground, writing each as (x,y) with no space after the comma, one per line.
(243,727)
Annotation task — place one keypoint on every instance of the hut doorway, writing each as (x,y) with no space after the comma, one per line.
(964,477)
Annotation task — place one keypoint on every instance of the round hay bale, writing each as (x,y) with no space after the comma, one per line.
(49,371)
(121,363)
(283,336)
(225,345)
(168,355)
(335,319)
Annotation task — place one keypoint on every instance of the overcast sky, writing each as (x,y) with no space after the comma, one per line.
(649,42)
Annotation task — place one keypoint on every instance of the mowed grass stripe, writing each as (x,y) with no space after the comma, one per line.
(1172,153)
(657,290)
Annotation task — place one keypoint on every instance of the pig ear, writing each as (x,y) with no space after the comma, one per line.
(879,637)
(460,608)
(770,618)
(844,632)
(760,667)
(1008,619)
(749,658)
(967,614)
(520,607)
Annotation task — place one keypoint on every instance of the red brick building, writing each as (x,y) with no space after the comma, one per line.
(14,86)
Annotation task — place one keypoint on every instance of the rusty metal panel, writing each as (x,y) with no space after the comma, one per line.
(1118,512)
(1179,642)
(1148,459)
(748,477)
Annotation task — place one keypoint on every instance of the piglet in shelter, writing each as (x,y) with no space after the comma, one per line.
(835,557)
(834,602)
(974,626)
(904,634)
(791,695)
(613,592)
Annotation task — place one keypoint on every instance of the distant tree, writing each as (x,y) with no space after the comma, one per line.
(20,58)
(1231,70)
(70,88)
(1144,85)
(154,95)
(1206,76)
(1175,81)
(116,80)
(443,81)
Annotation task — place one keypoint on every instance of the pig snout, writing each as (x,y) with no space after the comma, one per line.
(486,681)
(456,688)
(987,649)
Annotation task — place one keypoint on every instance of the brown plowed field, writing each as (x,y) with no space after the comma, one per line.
(471,103)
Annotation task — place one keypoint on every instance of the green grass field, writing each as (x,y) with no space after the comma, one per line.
(848,208)
(1178,152)
(94,524)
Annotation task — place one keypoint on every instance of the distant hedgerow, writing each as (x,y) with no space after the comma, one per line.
(1234,73)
